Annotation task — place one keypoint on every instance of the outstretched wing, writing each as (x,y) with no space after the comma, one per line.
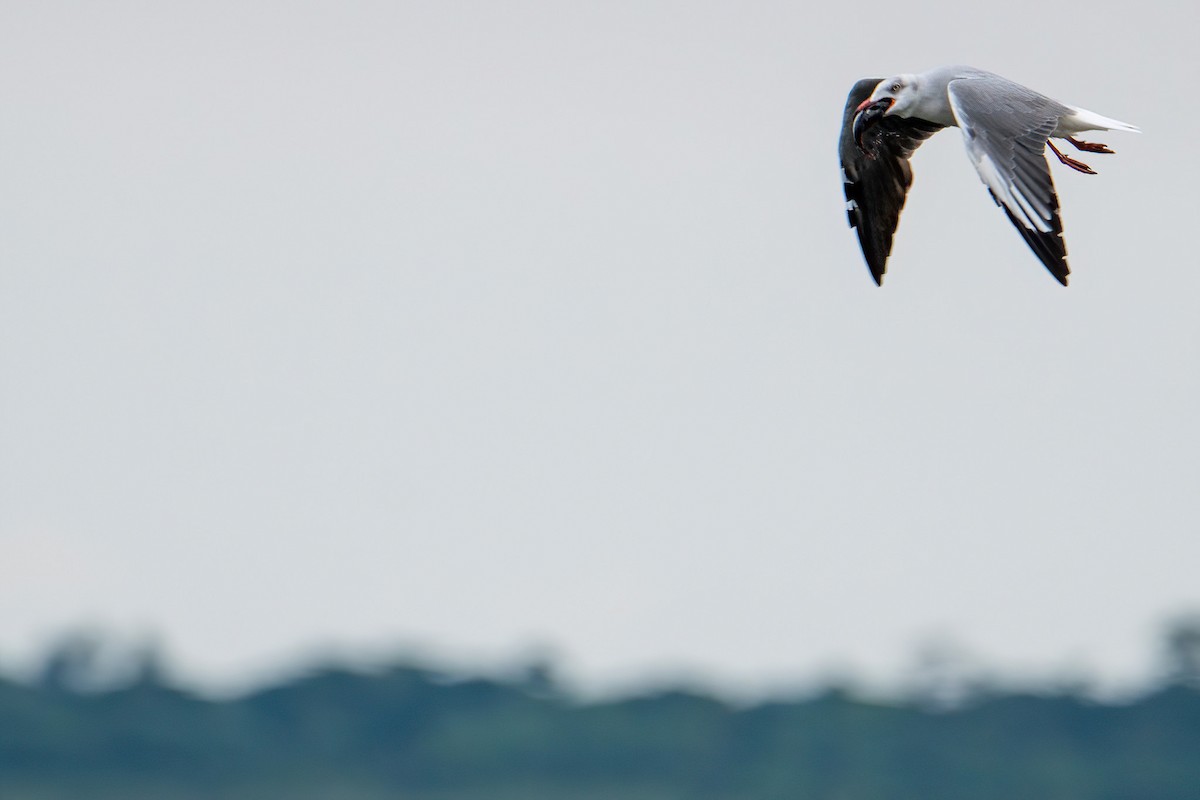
(877,180)
(1005,127)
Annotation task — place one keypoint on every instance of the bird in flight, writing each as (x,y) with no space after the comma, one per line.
(1006,127)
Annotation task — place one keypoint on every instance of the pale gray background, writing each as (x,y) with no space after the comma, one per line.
(487,325)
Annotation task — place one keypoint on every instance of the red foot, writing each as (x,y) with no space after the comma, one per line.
(1071,162)
(1089,147)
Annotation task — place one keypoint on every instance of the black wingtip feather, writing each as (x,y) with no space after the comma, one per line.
(1048,247)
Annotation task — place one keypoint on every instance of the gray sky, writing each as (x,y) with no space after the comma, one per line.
(485,325)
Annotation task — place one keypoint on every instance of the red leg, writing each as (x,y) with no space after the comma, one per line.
(1070,162)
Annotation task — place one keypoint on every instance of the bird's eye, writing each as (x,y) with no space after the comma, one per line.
(895,87)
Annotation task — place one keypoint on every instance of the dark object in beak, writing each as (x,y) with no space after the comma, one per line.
(868,114)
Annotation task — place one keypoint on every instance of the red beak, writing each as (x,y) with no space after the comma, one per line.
(869,112)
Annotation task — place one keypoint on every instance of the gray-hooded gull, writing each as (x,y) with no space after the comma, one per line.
(1006,128)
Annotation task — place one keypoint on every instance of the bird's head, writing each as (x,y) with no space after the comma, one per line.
(892,97)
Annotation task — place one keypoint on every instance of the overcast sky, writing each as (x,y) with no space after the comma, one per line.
(491,325)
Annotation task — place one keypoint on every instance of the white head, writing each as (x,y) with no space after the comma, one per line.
(896,96)
(901,90)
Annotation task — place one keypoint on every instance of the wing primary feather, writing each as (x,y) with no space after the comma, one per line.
(1005,127)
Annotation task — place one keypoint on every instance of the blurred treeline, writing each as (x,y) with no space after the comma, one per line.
(412,733)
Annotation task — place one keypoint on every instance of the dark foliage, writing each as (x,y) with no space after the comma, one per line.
(410,733)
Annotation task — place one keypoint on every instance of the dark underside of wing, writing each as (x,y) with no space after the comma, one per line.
(877,180)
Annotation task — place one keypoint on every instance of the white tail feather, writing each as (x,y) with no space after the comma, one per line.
(1080,119)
